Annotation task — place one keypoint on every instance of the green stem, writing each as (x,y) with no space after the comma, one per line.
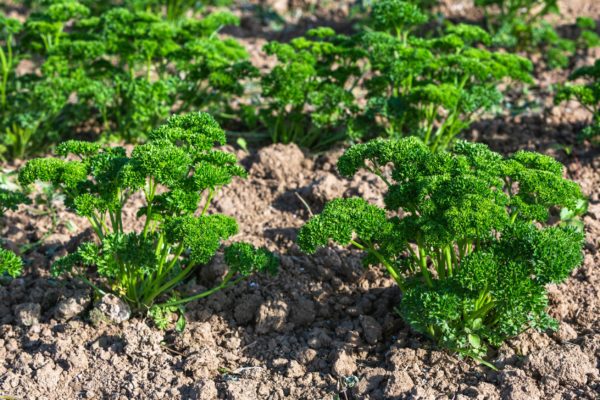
(6,64)
(97,226)
(391,270)
(448,257)
(164,272)
(180,277)
(423,265)
(149,199)
(482,312)
(223,285)
(415,258)
(375,170)
(211,193)
(88,282)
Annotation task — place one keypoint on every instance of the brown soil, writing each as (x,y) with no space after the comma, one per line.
(305,334)
(324,327)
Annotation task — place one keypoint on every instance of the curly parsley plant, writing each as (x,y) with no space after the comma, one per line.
(587,93)
(307,98)
(10,263)
(177,172)
(433,88)
(465,234)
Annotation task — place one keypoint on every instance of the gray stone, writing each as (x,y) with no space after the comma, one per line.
(28,314)
(371,329)
(73,306)
(115,309)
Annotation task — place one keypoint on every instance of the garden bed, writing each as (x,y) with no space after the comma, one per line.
(324,327)
(323,324)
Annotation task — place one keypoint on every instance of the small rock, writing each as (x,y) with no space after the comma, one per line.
(272,316)
(28,314)
(73,306)
(303,312)
(204,389)
(371,329)
(115,309)
(567,363)
(399,384)
(565,333)
(295,370)
(343,365)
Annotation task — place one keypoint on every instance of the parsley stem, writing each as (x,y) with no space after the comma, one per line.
(357,245)
(223,285)
(390,268)
(423,265)
(211,193)
(149,199)
(6,65)
(448,256)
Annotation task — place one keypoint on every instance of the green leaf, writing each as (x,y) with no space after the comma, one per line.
(246,259)
(10,263)
(474,340)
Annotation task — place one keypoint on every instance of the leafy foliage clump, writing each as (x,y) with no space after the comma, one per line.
(172,10)
(465,234)
(432,88)
(123,69)
(307,98)
(520,25)
(10,263)
(30,103)
(178,173)
(587,93)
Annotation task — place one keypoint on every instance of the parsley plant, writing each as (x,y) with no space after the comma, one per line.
(587,93)
(465,235)
(431,88)
(10,263)
(178,173)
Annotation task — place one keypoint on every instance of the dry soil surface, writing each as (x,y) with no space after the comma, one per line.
(325,326)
